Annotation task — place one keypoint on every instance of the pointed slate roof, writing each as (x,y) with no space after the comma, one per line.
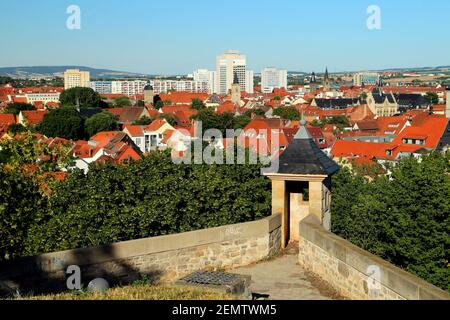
(302,156)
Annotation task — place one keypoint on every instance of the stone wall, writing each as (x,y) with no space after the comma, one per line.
(162,258)
(356,273)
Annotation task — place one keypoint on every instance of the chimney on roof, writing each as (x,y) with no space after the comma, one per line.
(447,99)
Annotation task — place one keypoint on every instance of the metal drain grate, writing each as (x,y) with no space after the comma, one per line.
(212,278)
(228,282)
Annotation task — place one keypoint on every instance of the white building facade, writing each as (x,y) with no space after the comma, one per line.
(76,78)
(42,97)
(272,78)
(229,63)
(101,86)
(368,78)
(205,75)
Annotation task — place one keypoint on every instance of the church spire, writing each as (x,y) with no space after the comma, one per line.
(326,80)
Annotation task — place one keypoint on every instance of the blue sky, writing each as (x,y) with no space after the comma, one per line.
(178,36)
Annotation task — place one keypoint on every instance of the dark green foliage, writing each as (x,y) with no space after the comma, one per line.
(21,206)
(198,104)
(64,123)
(290,113)
(432,97)
(404,219)
(103,121)
(147,198)
(340,122)
(222,122)
(16,107)
(122,102)
(170,119)
(16,128)
(143,121)
(82,97)
(159,104)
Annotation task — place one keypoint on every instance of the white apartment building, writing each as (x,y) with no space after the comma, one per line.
(272,78)
(134,87)
(249,81)
(164,86)
(128,87)
(42,97)
(205,75)
(116,87)
(76,78)
(229,63)
(101,86)
(368,78)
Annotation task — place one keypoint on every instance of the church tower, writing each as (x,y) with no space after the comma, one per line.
(236,91)
(326,80)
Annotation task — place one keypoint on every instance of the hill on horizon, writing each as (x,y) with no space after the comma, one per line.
(52,71)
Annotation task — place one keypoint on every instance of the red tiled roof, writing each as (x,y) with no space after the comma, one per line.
(178,97)
(128,114)
(155,125)
(353,149)
(7,119)
(134,130)
(33,117)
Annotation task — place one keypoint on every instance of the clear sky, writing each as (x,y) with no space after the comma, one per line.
(178,36)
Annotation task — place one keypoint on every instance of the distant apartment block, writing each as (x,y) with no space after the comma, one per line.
(164,86)
(272,78)
(204,75)
(230,63)
(136,87)
(76,78)
(367,78)
(42,97)
(132,87)
(101,86)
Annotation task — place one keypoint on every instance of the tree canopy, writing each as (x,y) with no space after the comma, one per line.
(82,97)
(222,122)
(197,104)
(432,97)
(290,113)
(103,121)
(64,122)
(16,107)
(122,102)
(403,218)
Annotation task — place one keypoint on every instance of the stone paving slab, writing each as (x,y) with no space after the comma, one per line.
(283,279)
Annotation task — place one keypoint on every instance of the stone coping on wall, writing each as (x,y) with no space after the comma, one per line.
(57,261)
(403,283)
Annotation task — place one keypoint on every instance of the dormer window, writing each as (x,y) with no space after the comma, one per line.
(389,152)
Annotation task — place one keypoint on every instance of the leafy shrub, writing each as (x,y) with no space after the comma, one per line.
(404,218)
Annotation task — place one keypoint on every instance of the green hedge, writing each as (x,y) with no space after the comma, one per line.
(404,218)
(147,198)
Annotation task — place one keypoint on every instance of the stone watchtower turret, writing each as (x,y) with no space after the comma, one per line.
(301,184)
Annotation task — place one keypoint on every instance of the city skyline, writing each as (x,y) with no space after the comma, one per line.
(176,38)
